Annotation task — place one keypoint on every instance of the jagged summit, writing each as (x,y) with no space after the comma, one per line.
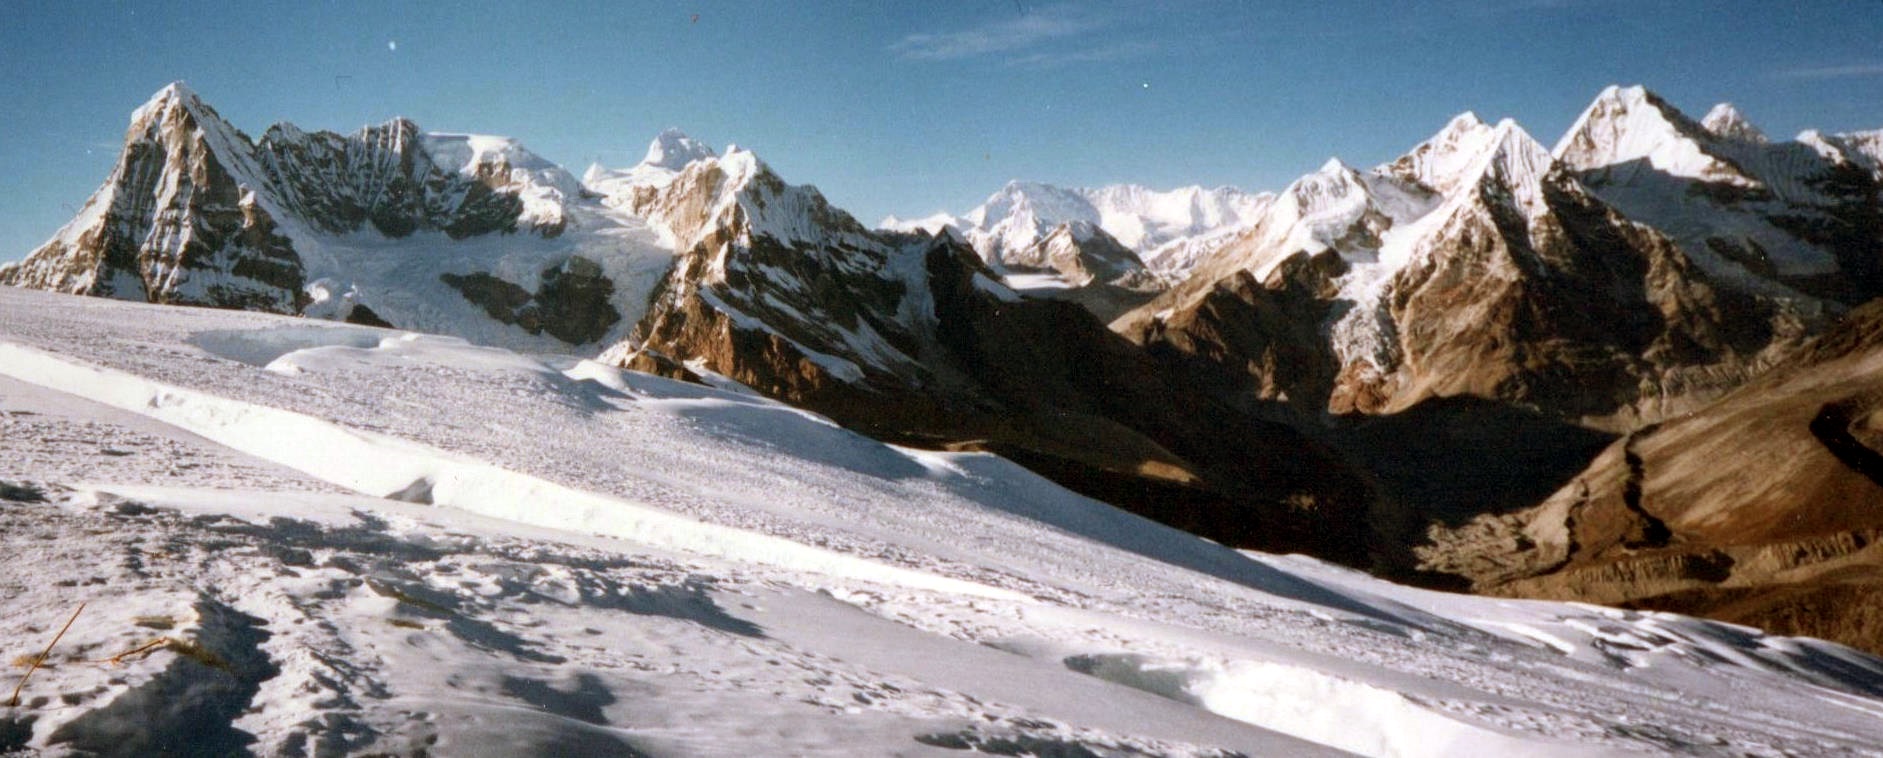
(1725,121)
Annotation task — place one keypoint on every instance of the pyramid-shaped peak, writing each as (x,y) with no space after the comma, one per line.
(1630,123)
(1618,102)
(1333,183)
(1509,132)
(173,95)
(1439,162)
(1517,151)
(176,90)
(673,149)
(1727,122)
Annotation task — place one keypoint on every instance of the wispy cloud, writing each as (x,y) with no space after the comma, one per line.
(1833,72)
(1017,34)
(1052,59)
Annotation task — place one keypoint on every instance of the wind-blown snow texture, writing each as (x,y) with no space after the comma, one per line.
(361,540)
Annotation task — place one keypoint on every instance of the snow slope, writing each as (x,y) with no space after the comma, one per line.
(361,540)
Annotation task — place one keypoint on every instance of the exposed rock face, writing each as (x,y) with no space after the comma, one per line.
(178,221)
(910,337)
(195,213)
(1763,508)
(1474,266)
(387,177)
(572,304)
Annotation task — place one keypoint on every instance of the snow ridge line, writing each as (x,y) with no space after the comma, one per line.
(380,465)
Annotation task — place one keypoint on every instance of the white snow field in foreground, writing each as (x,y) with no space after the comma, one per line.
(348,540)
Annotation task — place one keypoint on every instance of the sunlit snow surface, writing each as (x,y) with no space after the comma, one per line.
(586,561)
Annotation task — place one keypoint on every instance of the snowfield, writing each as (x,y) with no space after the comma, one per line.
(297,537)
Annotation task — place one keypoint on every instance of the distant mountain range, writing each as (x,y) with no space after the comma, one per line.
(1402,368)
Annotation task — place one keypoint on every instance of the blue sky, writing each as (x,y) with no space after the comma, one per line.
(909,108)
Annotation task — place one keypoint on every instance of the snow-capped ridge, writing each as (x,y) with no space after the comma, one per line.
(932,223)
(1167,228)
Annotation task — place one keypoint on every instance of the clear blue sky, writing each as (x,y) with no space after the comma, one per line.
(909,108)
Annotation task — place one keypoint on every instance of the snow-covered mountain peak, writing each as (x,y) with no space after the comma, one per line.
(544,187)
(173,95)
(1515,155)
(1173,228)
(1437,163)
(467,151)
(667,155)
(1332,208)
(672,149)
(1463,122)
(1726,122)
(1333,179)
(1631,128)
(176,112)
(1031,199)
(1507,162)
(742,164)
(737,194)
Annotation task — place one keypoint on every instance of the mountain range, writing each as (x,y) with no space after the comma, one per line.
(1487,363)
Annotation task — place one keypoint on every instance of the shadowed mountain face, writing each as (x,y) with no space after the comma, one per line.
(1763,508)
(1475,266)
(911,338)
(1803,215)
